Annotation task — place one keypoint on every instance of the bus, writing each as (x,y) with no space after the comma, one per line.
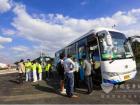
(111,51)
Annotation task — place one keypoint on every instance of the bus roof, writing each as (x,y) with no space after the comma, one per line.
(92,31)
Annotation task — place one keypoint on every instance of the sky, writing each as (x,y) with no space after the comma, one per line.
(28,27)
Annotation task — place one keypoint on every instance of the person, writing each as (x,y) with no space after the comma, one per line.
(34,71)
(76,73)
(81,70)
(93,73)
(60,70)
(28,65)
(39,70)
(47,68)
(87,74)
(50,69)
(21,70)
(69,74)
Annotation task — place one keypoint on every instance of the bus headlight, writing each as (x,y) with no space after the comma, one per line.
(111,74)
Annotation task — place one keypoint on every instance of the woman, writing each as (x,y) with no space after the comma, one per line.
(21,70)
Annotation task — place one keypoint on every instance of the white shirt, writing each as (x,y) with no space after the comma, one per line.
(69,65)
(61,61)
(76,66)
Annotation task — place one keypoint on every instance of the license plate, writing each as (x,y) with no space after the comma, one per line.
(126,77)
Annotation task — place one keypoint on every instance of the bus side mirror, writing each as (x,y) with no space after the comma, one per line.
(132,38)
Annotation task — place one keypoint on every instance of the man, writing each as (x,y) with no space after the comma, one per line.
(60,70)
(39,70)
(47,68)
(21,70)
(34,67)
(28,65)
(76,73)
(87,73)
(69,73)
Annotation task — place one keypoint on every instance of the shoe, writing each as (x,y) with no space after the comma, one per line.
(63,92)
(74,96)
(47,79)
(90,93)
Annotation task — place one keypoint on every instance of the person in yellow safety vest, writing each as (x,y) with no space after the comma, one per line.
(47,68)
(28,65)
(34,67)
(39,67)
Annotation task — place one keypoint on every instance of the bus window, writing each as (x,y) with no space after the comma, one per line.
(81,48)
(72,50)
(118,50)
(82,51)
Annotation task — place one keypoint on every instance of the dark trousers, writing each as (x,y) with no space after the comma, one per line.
(47,74)
(76,79)
(51,75)
(88,81)
(21,77)
(69,83)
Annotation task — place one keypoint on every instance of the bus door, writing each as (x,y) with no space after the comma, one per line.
(93,55)
(92,47)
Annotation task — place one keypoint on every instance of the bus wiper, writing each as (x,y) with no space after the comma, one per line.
(112,61)
(115,59)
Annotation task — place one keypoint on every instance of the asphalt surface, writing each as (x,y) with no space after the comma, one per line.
(46,92)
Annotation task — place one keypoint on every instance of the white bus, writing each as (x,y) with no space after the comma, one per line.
(111,51)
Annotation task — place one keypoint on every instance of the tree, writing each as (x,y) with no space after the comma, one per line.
(136,50)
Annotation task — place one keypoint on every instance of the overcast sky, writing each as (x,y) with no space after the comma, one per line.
(29,26)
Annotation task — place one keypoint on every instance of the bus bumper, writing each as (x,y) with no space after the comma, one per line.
(120,78)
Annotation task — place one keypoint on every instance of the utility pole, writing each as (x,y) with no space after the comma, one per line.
(114,26)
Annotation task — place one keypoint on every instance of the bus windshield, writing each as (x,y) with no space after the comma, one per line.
(118,47)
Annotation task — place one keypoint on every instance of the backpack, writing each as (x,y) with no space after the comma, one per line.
(60,68)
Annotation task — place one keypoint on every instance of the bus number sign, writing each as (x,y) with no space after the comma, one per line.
(126,77)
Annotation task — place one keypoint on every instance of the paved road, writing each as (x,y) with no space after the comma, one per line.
(47,92)
(7,71)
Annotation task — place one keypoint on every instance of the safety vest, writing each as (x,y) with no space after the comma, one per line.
(39,68)
(48,66)
(34,67)
(28,65)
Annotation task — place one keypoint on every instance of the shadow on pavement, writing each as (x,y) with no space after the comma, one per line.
(44,88)
(48,89)
(80,91)
(14,81)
